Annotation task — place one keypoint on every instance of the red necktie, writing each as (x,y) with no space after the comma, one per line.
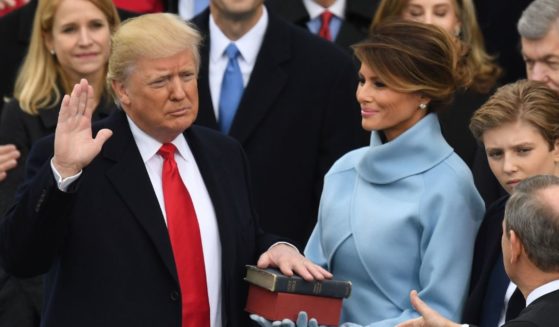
(186,243)
(324,31)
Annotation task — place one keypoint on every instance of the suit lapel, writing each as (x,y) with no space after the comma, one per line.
(129,177)
(267,80)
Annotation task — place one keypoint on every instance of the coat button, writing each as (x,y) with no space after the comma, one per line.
(174,295)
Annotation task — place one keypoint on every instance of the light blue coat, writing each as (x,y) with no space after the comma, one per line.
(399,216)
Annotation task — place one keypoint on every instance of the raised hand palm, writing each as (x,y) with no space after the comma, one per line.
(74,145)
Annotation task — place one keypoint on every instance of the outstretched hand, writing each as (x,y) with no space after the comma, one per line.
(290,261)
(74,145)
(429,317)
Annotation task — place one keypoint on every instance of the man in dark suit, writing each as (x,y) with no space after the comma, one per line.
(349,24)
(297,113)
(96,214)
(530,244)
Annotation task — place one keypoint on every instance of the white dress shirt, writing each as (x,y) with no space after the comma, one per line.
(248,45)
(541,291)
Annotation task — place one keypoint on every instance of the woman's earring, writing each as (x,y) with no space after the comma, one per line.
(52,52)
(422,106)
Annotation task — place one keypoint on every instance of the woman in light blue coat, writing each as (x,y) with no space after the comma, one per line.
(402,213)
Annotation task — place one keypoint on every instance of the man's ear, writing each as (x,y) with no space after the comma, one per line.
(516,247)
(121,92)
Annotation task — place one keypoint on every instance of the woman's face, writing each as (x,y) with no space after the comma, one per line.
(80,38)
(516,151)
(384,109)
(441,13)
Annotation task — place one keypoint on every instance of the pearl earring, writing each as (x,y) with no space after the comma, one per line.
(422,106)
(52,52)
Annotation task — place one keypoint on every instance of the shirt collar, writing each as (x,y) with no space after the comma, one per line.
(541,291)
(248,45)
(315,10)
(148,146)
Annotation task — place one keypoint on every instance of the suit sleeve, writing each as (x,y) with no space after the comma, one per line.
(34,228)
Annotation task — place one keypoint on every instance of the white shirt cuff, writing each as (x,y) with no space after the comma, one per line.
(63,183)
(286,243)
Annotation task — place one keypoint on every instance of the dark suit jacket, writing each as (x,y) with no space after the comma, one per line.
(543,312)
(355,27)
(486,252)
(297,116)
(104,245)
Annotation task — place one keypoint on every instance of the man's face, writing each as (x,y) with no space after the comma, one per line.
(542,58)
(161,95)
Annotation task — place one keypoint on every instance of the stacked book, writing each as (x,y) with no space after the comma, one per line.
(275,296)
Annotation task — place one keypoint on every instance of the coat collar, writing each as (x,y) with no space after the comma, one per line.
(416,150)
